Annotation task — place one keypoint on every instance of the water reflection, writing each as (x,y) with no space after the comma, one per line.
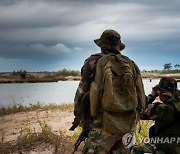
(57,92)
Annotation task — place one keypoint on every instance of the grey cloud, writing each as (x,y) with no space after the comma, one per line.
(78,49)
(58,48)
(30,29)
(27,21)
(32,51)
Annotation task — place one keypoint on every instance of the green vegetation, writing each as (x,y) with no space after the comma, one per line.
(142,130)
(29,137)
(20,108)
(167,69)
(28,134)
(33,77)
(21,73)
(25,132)
(46,129)
(2,138)
(66,72)
(23,76)
(75,134)
(161,71)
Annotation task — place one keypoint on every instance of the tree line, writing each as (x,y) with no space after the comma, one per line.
(63,72)
(169,66)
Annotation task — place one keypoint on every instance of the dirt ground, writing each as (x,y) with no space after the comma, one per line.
(37,132)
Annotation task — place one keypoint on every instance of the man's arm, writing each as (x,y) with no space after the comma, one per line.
(81,99)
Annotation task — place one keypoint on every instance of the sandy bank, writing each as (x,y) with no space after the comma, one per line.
(34,78)
(37,80)
(158,75)
(14,126)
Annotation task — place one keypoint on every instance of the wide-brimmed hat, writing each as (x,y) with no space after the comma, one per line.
(110,39)
(166,86)
(168,83)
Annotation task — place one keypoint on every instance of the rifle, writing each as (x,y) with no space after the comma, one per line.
(78,119)
(81,138)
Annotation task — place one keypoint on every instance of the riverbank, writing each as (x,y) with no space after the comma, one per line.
(44,130)
(160,75)
(35,78)
(43,77)
(41,131)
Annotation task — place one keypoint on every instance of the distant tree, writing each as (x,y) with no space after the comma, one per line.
(177,66)
(144,70)
(167,66)
(23,74)
(66,72)
(14,72)
(155,70)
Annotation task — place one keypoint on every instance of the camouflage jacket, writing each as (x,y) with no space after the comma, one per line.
(165,116)
(87,76)
(167,126)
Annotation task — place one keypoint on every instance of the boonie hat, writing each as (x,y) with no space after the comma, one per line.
(167,85)
(110,39)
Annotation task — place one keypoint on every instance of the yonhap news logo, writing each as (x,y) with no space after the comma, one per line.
(161,140)
(129,140)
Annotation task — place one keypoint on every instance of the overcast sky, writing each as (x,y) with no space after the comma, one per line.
(49,35)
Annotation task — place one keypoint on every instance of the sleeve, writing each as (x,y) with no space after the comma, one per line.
(82,91)
(150,112)
(151,97)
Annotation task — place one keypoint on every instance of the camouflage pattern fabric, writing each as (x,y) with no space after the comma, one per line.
(87,76)
(98,140)
(167,124)
(167,87)
(163,115)
(110,40)
(147,148)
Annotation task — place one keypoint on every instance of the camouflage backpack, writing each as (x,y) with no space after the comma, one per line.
(113,94)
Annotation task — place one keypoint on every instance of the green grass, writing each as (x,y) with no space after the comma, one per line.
(142,130)
(31,107)
(2,138)
(169,71)
(75,134)
(26,132)
(46,130)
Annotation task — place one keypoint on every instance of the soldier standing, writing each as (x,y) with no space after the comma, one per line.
(109,96)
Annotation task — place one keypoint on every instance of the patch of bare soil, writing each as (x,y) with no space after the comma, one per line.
(36,132)
(36,144)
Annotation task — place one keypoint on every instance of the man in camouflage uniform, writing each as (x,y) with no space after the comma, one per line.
(166,115)
(99,141)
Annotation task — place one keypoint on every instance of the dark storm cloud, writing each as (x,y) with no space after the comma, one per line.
(31,29)
(33,51)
